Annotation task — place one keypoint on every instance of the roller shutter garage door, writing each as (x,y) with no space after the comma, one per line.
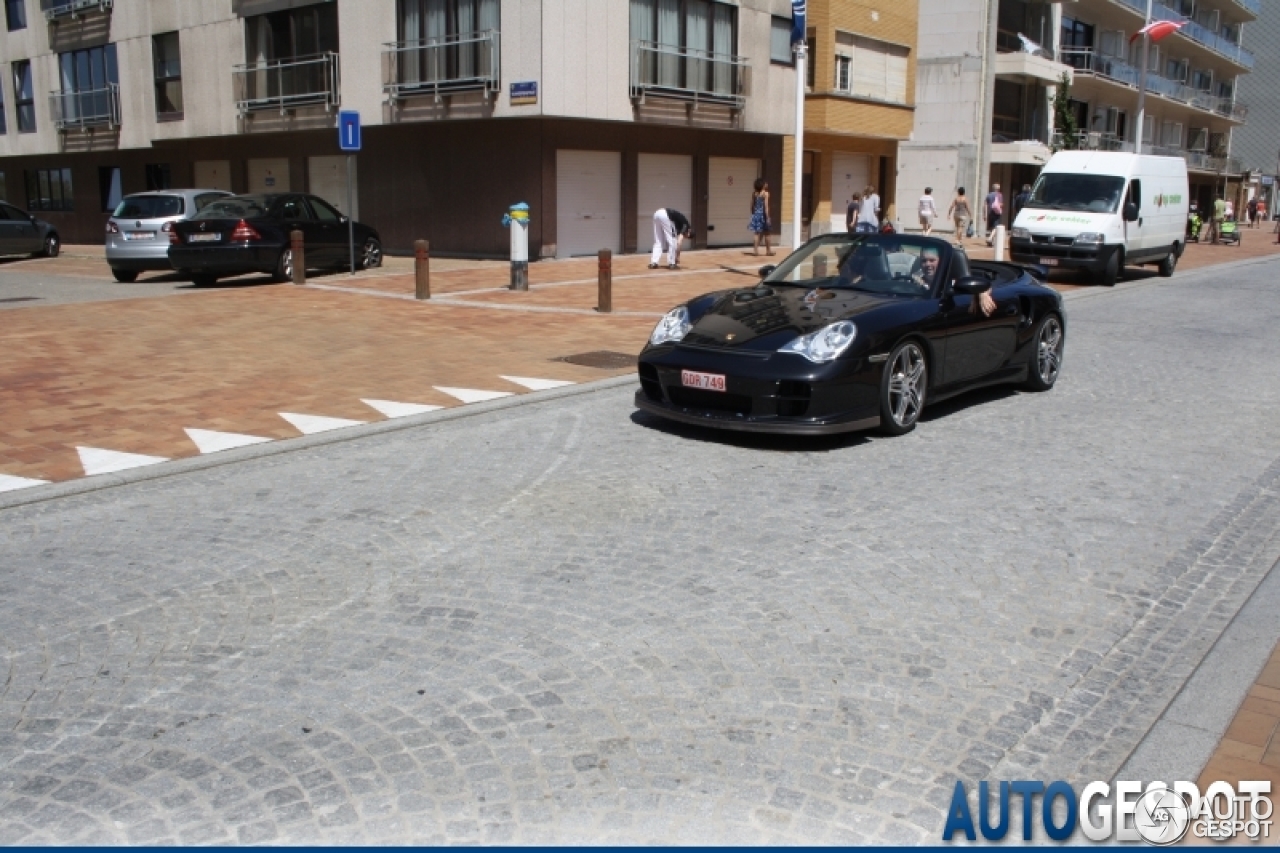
(327,178)
(850,174)
(213,174)
(730,183)
(269,175)
(664,180)
(588,202)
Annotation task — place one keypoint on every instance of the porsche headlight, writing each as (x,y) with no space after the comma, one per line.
(672,327)
(824,345)
(1019,233)
(1090,238)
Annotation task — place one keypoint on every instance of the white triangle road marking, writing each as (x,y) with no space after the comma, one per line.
(537,384)
(95,460)
(392,409)
(471,395)
(211,441)
(9,483)
(309,424)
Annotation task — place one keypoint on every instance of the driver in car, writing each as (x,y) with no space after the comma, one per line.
(928,273)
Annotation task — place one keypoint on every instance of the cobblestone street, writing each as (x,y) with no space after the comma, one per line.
(566,622)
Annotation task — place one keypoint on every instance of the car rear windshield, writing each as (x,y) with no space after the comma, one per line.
(149,206)
(237,207)
(1063,191)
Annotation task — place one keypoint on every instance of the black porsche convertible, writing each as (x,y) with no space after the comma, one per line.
(852,332)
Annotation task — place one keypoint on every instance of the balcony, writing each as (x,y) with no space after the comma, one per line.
(55,9)
(470,62)
(1253,7)
(1090,140)
(85,109)
(1031,65)
(1088,61)
(1201,35)
(687,74)
(287,84)
(1199,161)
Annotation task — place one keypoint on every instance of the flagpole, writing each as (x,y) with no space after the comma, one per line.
(1142,80)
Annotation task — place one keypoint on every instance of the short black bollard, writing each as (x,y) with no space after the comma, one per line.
(299,257)
(421,269)
(605,283)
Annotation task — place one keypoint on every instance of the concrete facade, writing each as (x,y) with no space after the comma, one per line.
(577,52)
(1257,143)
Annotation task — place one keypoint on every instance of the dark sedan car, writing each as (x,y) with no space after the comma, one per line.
(851,332)
(22,233)
(250,233)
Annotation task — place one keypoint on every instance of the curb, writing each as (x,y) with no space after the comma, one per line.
(175,467)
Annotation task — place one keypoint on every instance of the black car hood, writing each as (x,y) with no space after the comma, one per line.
(765,317)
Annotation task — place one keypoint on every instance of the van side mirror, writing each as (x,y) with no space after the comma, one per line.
(971,285)
(1130,212)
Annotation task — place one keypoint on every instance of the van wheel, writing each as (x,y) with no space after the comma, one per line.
(1111,272)
(125,276)
(1170,262)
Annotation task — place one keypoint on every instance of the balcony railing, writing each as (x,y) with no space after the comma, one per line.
(86,108)
(1197,33)
(287,83)
(1088,61)
(1254,6)
(699,76)
(1086,140)
(1090,140)
(463,63)
(54,9)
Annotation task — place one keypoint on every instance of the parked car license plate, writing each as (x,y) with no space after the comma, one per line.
(1048,262)
(140,235)
(203,238)
(705,381)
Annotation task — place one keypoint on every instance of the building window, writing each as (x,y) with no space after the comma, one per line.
(109,187)
(15,14)
(1176,70)
(159,177)
(1171,134)
(1202,79)
(458,24)
(293,34)
(168,71)
(780,41)
(684,34)
(868,68)
(90,81)
(1074,40)
(811,39)
(49,189)
(24,101)
(1198,139)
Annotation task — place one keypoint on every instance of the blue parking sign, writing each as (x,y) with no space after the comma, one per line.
(349,130)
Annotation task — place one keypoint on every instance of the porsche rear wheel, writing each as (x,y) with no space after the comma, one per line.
(902,388)
(1044,370)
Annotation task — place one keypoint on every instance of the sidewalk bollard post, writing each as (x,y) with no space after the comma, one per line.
(421,269)
(299,257)
(605,305)
(997,242)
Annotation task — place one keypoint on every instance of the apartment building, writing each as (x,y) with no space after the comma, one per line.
(859,97)
(594,112)
(1257,144)
(989,70)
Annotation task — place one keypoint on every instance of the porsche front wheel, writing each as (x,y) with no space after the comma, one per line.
(902,389)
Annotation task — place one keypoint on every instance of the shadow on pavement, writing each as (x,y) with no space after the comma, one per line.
(751,440)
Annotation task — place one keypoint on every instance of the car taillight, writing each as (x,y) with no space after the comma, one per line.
(244,231)
(112,228)
(174,237)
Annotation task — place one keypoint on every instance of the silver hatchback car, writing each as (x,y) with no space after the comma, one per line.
(138,230)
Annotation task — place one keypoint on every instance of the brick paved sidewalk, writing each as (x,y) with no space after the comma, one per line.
(1251,747)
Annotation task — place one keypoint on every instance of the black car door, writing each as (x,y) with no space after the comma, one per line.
(332,232)
(978,346)
(295,214)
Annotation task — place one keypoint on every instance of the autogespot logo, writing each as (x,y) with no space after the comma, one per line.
(1156,813)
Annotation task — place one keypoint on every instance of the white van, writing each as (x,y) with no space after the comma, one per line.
(1101,211)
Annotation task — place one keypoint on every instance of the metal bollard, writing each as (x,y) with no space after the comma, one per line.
(421,269)
(997,242)
(299,257)
(605,282)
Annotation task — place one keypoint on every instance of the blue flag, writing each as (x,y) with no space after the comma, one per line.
(797,21)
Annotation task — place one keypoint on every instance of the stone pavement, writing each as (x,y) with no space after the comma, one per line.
(566,622)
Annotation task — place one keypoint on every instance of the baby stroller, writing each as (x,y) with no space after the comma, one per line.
(1229,232)
(1194,225)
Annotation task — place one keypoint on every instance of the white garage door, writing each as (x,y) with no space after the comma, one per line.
(730,182)
(850,174)
(269,175)
(664,180)
(213,175)
(588,202)
(327,178)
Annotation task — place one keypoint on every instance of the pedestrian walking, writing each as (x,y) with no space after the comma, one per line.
(851,212)
(869,212)
(1262,211)
(928,212)
(670,227)
(1231,209)
(961,214)
(1251,210)
(759,224)
(993,208)
(1019,202)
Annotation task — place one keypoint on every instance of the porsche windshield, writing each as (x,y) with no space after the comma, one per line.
(1064,191)
(891,264)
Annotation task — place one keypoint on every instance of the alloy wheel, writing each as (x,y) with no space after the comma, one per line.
(1049,350)
(906,385)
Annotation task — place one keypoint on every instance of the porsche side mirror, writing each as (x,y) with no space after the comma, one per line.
(1130,212)
(971,285)
(767,270)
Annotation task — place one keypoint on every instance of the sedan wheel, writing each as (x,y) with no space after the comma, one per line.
(371,254)
(902,389)
(284,267)
(124,276)
(1050,340)
(52,245)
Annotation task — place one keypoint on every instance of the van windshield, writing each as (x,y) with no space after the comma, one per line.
(1062,191)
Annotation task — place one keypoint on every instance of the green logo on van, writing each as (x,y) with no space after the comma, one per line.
(1162,200)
